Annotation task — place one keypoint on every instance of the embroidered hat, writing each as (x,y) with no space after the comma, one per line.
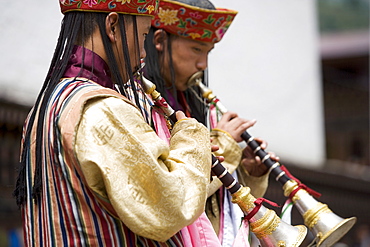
(193,22)
(131,7)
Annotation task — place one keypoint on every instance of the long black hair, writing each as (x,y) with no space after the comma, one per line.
(76,28)
(153,70)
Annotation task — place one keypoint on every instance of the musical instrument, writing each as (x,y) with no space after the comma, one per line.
(267,226)
(327,226)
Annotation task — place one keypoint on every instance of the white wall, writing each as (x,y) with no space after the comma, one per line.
(267,68)
(28,37)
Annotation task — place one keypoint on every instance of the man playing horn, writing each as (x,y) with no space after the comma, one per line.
(182,35)
(93,172)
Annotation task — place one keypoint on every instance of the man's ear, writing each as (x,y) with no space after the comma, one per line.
(160,39)
(111,26)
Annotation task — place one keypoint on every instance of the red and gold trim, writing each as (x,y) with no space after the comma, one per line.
(193,22)
(130,7)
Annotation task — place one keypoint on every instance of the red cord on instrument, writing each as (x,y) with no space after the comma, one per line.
(161,103)
(300,185)
(258,202)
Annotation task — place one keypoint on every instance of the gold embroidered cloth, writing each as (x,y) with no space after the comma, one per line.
(155,189)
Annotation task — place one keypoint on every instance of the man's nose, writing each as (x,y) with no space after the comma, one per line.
(142,53)
(202,63)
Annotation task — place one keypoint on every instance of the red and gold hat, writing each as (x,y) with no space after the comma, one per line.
(130,7)
(193,22)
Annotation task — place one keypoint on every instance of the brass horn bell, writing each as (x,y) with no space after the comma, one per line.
(327,226)
(266,225)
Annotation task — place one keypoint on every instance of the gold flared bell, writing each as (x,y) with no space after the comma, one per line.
(266,225)
(272,231)
(327,227)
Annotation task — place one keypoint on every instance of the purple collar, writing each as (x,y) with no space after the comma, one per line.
(94,67)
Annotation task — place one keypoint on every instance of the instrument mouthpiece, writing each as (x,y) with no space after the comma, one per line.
(194,78)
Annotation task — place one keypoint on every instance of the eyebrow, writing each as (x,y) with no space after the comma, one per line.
(205,45)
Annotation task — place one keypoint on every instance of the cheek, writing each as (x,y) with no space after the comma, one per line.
(180,66)
(183,60)
(183,70)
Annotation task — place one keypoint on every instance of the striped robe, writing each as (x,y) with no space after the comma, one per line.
(69,213)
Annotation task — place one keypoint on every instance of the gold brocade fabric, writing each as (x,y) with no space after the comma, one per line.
(154,188)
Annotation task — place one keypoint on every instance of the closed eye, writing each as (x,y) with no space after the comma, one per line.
(197,49)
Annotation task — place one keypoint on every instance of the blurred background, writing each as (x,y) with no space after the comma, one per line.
(301,68)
